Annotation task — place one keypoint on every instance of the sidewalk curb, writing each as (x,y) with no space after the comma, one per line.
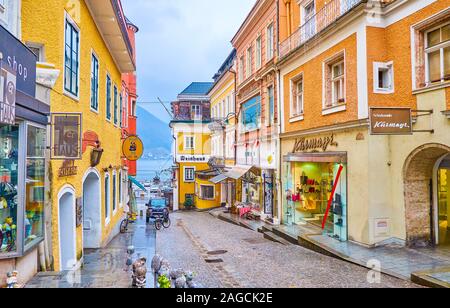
(306,242)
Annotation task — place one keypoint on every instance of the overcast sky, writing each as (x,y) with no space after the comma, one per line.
(181,41)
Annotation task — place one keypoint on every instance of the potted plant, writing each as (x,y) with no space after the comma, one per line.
(189,204)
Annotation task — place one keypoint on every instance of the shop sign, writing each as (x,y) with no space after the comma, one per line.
(133,148)
(391,121)
(67,169)
(66,136)
(193,158)
(7,96)
(21,60)
(314,144)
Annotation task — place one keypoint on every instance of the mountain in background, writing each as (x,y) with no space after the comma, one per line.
(154,133)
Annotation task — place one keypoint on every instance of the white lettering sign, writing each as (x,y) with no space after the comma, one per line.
(193,159)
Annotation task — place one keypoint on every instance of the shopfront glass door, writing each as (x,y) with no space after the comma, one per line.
(35,182)
(309,188)
(9,187)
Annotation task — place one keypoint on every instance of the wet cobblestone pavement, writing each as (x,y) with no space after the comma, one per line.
(225,255)
(105,268)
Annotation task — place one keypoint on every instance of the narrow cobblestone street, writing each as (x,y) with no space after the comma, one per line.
(105,268)
(225,255)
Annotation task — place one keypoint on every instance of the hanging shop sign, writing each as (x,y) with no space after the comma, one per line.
(193,158)
(133,148)
(7,95)
(21,60)
(391,121)
(67,169)
(314,144)
(66,136)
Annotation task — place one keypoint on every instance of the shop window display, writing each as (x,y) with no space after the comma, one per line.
(308,189)
(9,164)
(35,179)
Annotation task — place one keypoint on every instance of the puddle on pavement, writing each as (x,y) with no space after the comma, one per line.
(217,252)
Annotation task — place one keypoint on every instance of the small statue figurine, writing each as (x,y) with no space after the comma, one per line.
(11,280)
(129,262)
(139,273)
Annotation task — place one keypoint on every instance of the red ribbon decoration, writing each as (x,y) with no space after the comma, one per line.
(330,202)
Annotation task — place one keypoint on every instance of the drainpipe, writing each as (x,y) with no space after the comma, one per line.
(236,114)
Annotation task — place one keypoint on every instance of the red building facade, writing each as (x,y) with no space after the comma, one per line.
(129,118)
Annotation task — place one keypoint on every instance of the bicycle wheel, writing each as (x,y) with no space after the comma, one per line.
(166,223)
(158,224)
(124,226)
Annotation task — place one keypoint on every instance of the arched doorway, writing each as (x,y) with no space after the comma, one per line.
(91,210)
(421,194)
(67,231)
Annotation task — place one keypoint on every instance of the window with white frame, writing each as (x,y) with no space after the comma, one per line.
(114,192)
(270,42)
(37,49)
(189,142)
(334,82)
(270,106)
(107,200)
(120,189)
(189,174)
(196,112)
(94,82)
(437,54)
(71,58)
(249,62)
(241,69)
(207,192)
(383,77)
(297,97)
(258,52)
(308,20)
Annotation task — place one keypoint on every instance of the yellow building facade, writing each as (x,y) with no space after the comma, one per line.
(224,125)
(192,150)
(84,43)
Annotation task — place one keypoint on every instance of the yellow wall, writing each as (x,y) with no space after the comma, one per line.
(203,204)
(202,144)
(43,22)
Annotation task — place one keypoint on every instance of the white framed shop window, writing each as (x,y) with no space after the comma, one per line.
(207,192)
(383,77)
(114,192)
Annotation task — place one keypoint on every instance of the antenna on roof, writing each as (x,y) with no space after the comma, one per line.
(167,110)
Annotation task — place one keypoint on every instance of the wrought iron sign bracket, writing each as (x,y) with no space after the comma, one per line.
(422,113)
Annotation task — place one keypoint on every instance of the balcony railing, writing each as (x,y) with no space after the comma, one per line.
(330,13)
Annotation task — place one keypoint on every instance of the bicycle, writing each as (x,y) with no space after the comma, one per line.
(124,224)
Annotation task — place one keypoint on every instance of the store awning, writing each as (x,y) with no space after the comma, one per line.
(218,179)
(238,171)
(136,182)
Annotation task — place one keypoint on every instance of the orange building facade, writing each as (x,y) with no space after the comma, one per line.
(337,60)
(256,108)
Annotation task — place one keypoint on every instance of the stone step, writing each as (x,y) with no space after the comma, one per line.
(265,228)
(275,238)
(286,236)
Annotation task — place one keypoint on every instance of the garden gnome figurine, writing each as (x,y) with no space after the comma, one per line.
(11,280)
(129,262)
(140,272)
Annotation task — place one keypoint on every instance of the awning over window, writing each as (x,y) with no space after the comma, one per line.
(218,179)
(136,182)
(238,171)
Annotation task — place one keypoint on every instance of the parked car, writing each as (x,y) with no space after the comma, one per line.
(158,212)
